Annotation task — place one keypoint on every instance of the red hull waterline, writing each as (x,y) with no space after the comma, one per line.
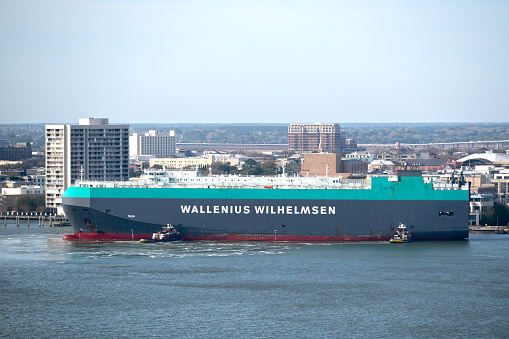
(227,237)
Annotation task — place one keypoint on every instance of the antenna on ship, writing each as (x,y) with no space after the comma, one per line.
(81,173)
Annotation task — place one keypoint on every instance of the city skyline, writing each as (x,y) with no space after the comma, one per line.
(264,62)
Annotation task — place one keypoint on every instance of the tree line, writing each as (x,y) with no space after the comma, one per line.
(278,133)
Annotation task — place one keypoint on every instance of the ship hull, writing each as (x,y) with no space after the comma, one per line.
(247,214)
(339,220)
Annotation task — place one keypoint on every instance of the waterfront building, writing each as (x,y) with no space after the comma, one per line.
(501,182)
(153,144)
(23,190)
(479,183)
(479,204)
(10,195)
(91,150)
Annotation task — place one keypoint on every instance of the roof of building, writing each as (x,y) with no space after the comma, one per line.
(426,162)
(382,162)
(353,160)
(481,196)
(487,158)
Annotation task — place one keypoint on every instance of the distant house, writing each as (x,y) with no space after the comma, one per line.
(381,165)
(429,165)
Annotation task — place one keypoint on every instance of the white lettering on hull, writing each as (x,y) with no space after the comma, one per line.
(258,209)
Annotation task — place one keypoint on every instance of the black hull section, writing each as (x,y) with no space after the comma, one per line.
(334,221)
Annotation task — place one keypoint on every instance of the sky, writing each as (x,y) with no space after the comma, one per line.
(236,61)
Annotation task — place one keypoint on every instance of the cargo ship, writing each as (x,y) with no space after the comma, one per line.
(279,208)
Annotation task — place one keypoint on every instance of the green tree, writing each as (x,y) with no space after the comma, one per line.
(497,215)
(250,163)
(255,171)
(134,174)
(269,167)
(31,203)
(226,168)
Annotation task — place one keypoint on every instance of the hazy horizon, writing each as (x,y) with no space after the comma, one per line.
(263,62)
(359,124)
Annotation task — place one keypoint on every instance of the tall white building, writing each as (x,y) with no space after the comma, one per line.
(92,150)
(152,143)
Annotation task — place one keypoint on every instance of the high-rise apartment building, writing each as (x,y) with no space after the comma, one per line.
(92,150)
(152,143)
(315,137)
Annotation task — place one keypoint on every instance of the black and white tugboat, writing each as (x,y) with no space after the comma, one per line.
(402,235)
(169,233)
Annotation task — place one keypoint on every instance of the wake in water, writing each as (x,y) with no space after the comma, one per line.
(172,249)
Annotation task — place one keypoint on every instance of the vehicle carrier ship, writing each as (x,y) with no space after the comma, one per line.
(281,208)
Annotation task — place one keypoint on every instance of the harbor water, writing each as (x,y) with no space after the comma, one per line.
(51,288)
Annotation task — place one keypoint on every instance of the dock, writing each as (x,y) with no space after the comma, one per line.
(36,218)
(496,229)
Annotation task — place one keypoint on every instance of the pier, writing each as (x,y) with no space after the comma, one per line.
(496,229)
(36,218)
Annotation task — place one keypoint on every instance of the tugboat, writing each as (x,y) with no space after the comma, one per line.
(169,233)
(401,235)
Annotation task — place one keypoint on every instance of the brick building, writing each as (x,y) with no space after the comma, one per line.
(315,137)
(20,151)
(319,164)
